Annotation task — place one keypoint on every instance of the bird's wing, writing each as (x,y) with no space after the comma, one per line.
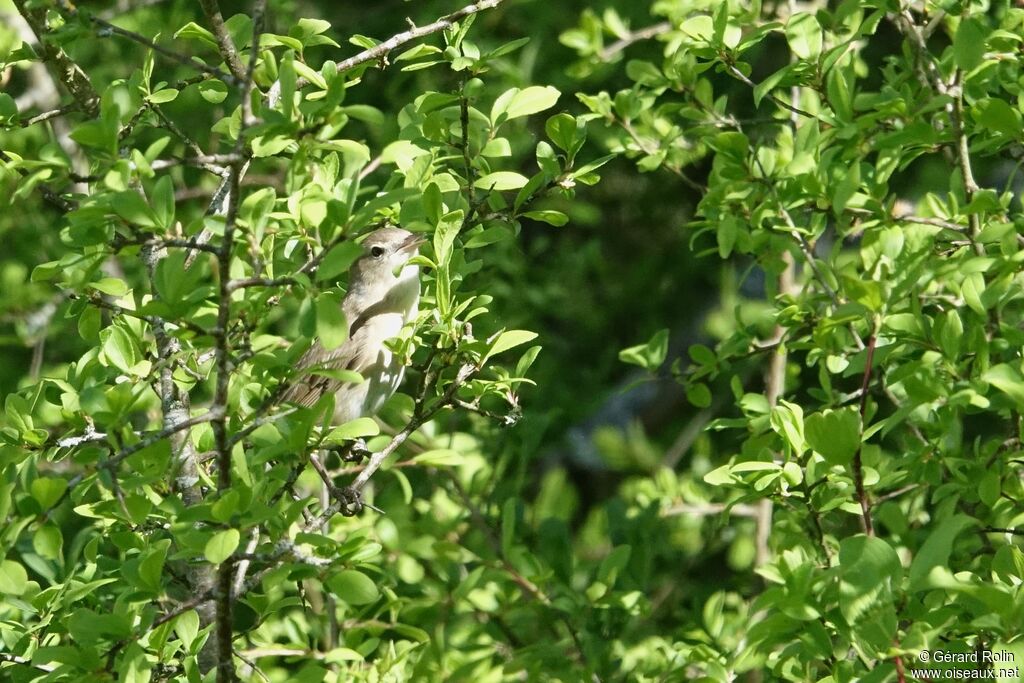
(353,355)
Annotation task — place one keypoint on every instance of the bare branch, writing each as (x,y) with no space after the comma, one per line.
(222,358)
(349,499)
(47,115)
(464,373)
(928,220)
(772,96)
(227,46)
(187,60)
(858,468)
(636,36)
(65,71)
(171,429)
(381,50)
(710,510)
(90,436)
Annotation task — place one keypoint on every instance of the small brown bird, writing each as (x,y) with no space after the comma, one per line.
(383,295)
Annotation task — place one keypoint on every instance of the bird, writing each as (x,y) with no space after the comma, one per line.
(383,295)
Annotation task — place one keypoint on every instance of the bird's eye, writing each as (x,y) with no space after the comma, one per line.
(377,252)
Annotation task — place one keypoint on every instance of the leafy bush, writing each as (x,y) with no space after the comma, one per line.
(842,493)
(881,458)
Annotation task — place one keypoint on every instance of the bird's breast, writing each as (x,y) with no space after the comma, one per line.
(381,369)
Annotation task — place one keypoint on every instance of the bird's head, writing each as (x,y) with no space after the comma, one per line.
(383,269)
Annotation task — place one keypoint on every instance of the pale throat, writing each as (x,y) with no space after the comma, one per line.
(397,298)
(405,293)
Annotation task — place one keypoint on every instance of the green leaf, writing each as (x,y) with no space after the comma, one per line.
(771,82)
(1007,379)
(118,348)
(969,43)
(445,234)
(46,271)
(497,148)
(804,35)
(847,186)
(834,433)
(700,27)
(526,360)
(213,91)
(360,427)
(556,218)
(650,355)
(13,578)
(132,207)
(515,103)
(500,181)
(565,132)
(163,201)
(151,567)
(48,542)
(999,116)
(868,569)
(196,32)
(162,96)
(221,546)
(48,490)
(111,286)
(726,234)
(8,107)
(699,395)
(338,260)
(936,550)
(531,100)
(787,419)
(354,588)
(508,340)
(972,289)
(989,488)
(439,457)
(268,146)
(331,326)
(187,627)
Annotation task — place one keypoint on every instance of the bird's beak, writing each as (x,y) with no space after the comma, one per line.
(411,243)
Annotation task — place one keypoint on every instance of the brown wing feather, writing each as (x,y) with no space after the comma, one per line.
(352,355)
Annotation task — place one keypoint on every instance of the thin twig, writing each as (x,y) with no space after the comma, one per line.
(381,50)
(648,150)
(47,115)
(963,156)
(349,499)
(186,60)
(858,467)
(64,69)
(710,510)
(928,220)
(222,358)
(772,96)
(169,430)
(227,46)
(245,561)
(640,34)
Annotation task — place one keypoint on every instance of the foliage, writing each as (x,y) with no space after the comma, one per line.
(842,491)
(157,489)
(884,448)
